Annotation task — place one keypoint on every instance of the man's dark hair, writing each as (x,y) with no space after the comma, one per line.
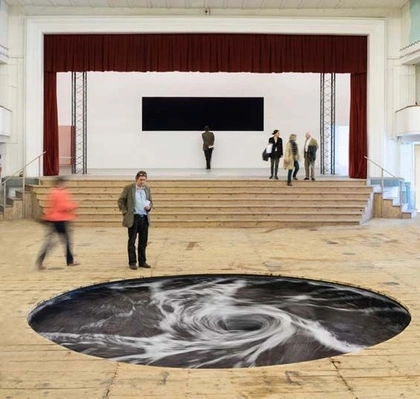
(141,173)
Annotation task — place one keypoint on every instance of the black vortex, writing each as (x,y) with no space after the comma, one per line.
(218,321)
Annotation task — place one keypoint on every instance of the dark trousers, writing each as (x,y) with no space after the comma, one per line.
(207,154)
(140,227)
(62,230)
(294,171)
(274,166)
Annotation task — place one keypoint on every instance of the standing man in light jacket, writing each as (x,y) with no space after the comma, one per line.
(208,145)
(309,152)
(135,203)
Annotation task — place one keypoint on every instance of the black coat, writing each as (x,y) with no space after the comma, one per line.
(277,150)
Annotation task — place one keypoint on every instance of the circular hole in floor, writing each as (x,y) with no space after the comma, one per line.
(218,321)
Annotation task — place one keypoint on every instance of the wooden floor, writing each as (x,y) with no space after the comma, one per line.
(383,255)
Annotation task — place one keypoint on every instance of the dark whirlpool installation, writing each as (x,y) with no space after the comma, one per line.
(218,321)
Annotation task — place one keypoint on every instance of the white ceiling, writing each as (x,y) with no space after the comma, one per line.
(218,4)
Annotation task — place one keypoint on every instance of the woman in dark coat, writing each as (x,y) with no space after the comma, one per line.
(276,153)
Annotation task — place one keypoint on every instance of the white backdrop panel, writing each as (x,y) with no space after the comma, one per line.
(116,141)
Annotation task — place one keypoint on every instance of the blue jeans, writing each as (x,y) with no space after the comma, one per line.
(294,171)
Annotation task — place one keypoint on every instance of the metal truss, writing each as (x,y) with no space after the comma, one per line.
(79,121)
(327,123)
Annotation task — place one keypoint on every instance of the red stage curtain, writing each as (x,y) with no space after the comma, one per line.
(257,53)
(358,126)
(51,157)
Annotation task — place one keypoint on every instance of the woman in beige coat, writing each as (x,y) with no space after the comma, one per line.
(291,159)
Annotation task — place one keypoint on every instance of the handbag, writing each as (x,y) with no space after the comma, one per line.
(265,156)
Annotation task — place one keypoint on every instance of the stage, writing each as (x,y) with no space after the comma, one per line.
(199,174)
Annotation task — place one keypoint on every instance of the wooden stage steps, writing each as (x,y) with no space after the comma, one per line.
(223,203)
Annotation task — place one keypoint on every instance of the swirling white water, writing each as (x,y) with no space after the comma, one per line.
(218,321)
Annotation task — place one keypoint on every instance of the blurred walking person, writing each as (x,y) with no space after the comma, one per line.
(291,159)
(60,210)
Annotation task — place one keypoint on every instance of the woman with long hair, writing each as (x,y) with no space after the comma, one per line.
(291,159)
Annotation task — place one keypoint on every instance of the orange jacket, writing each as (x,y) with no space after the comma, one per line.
(60,206)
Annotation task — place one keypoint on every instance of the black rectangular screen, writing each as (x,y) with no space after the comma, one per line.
(193,113)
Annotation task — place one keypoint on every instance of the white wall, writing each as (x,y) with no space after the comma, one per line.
(4,52)
(116,141)
(4,23)
(12,89)
(36,27)
(418,84)
(4,82)
(64,99)
(405,25)
(16,93)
